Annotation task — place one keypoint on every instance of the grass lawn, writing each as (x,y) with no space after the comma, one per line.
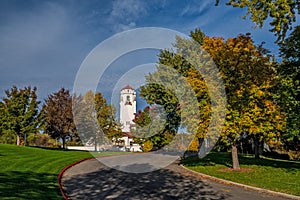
(31,173)
(273,174)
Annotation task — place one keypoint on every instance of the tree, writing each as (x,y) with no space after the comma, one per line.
(281,12)
(19,113)
(156,94)
(249,74)
(85,119)
(106,117)
(149,121)
(95,119)
(262,118)
(186,101)
(149,126)
(57,112)
(288,88)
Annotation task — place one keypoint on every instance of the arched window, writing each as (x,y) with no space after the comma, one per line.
(128,102)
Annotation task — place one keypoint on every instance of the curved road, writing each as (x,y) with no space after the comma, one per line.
(92,180)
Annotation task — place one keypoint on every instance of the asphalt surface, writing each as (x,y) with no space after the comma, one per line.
(93,180)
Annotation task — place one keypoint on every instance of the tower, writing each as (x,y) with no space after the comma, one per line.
(127,107)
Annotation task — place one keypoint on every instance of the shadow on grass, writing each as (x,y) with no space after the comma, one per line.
(161,184)
(57,149)
(222,158)
(29,185)
(211,159)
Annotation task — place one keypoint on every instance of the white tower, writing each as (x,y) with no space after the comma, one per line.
(127,107)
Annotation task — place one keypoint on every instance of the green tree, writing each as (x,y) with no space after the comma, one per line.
(288,90)
(178,107)
(57,113)
(248,74)
(156,94)
(95,119)
(281,12)
(19,114)
(148,123)
(85,118)
(106,117)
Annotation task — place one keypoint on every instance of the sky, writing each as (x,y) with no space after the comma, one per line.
(43,43)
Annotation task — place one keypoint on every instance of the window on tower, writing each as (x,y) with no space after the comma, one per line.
(128,102)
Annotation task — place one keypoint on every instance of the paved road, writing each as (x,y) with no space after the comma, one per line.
(93,180)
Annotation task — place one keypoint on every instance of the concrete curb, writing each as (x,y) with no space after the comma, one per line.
(60,175)
(247,187)
(65,196)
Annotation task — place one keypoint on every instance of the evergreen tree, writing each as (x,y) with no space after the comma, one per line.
(19,114)
(288,90)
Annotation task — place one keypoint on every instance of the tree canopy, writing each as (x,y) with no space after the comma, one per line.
(282,13)
(57,112)
(19,114)
(288,88)
(95,119)
(248,72)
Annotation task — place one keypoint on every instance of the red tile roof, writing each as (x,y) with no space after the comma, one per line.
(127,87)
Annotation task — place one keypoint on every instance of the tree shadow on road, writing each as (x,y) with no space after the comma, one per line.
(161,184)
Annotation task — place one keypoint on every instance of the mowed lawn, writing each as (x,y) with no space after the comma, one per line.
(31,173)
(273,174)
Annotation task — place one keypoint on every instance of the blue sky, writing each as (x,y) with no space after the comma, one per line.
(43,43)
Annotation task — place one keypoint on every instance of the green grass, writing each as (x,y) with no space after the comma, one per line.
(273,174)
(31,173)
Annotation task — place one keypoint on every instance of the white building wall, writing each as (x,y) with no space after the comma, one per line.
(127,108)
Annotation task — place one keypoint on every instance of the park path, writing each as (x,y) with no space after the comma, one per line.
(93,180)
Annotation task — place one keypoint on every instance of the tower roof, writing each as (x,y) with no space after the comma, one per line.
(127,87)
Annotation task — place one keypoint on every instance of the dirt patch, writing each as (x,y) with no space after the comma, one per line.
(234,170)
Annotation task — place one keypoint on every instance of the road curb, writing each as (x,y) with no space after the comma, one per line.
(65,196)
(60,175)
(247,187)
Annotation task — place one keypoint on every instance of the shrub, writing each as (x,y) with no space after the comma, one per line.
(42,140)
(294,155)
(148,145)
(8,138)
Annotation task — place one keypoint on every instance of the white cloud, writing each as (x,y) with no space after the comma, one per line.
(197,7)
(124,27)
(128,9)
(125,14)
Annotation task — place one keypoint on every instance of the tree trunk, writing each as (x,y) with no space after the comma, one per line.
(25,139)
(256,147)
(201,149)
(64,142)
(235,159)
(261,147)
(18,140)
(95,143)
